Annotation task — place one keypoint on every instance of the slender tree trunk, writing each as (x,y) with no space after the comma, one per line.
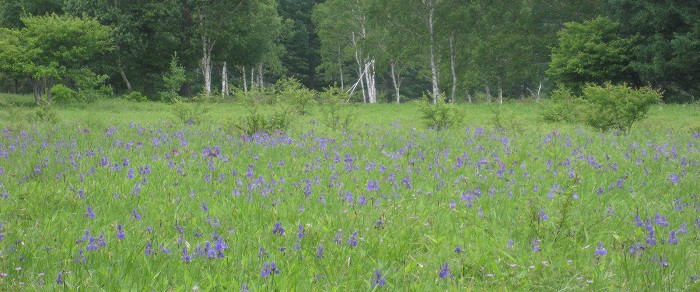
(260,76)
(359,68)
(36,87)
(207,47)
(252,77)
(488,93)
(224,82)
(469,97)
(433,66)
(500,94)
(245,80)
(126,80)
(395,80)
(340,67)
(453,68)
(369,77)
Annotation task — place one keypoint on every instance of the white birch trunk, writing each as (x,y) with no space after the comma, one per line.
(359,68)
(252,77)
(433,66)
(126,80)
(207,47)
(488,93)
(453,68)
(500,94)
(396,81)
(370,77)
(261,83)
(245,80)
(224,81)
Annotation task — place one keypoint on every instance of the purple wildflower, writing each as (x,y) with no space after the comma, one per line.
(536,245)
(683,229)
(458,249)
(509,244)
(543,216)
(59,278)
(378,280)
(672,238)
(660,220)
(186,257)
(600,251)
(300,232)
(269,269)
(278,229)
(89,213)
(135,214)
(338,239)
(149,248)
(319,252)
(352,241)
(205,208)
(445,271)
(638,221)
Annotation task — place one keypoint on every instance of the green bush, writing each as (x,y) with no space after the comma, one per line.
(331,101)
(44,113)
(295,95)
(563,106)
(62,94)
(617,107)
(173,80)
(135,96)
(190,113)
(257,122)
(91,87)
(440,115)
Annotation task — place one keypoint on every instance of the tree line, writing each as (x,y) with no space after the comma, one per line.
(379,50)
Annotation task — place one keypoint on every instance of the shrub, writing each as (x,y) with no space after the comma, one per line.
(173,80)
(257,122)
(505,119)
(295,95)
(190,113)
(440,115)
(91,87)
(617,107)
(135,96)
(44,113)
(332,99)
(563,107)
(62,94)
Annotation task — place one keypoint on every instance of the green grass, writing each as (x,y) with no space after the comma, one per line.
(502,183)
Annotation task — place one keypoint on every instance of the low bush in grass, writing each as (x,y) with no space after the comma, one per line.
(440,115)
(617,107)
(605,108)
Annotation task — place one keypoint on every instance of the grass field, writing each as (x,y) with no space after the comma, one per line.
(119,195)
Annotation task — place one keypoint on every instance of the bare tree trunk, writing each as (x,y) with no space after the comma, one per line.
(453,68)
(224,82)
(500,94)
(126,80)
(396,81)
(359,68)
(36,87)
(207,47)
(433,66)
(245,80)
(488,93)
(340,67)
(469,97)
(369,77)
(261,84)
(252,77)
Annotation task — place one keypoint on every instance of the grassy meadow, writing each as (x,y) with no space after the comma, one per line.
(119,195)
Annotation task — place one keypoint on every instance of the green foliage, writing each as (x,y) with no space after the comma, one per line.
(292,93)
(505,119)
(135,96)
(190,113)
(440,115)
(590,52)
(43,113)
(256,122)
(91,86)
(51,47)
(62,94)
(332,116)
(563,106)
(173,80)
(617,107)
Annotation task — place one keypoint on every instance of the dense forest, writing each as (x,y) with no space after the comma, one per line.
(379,50)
